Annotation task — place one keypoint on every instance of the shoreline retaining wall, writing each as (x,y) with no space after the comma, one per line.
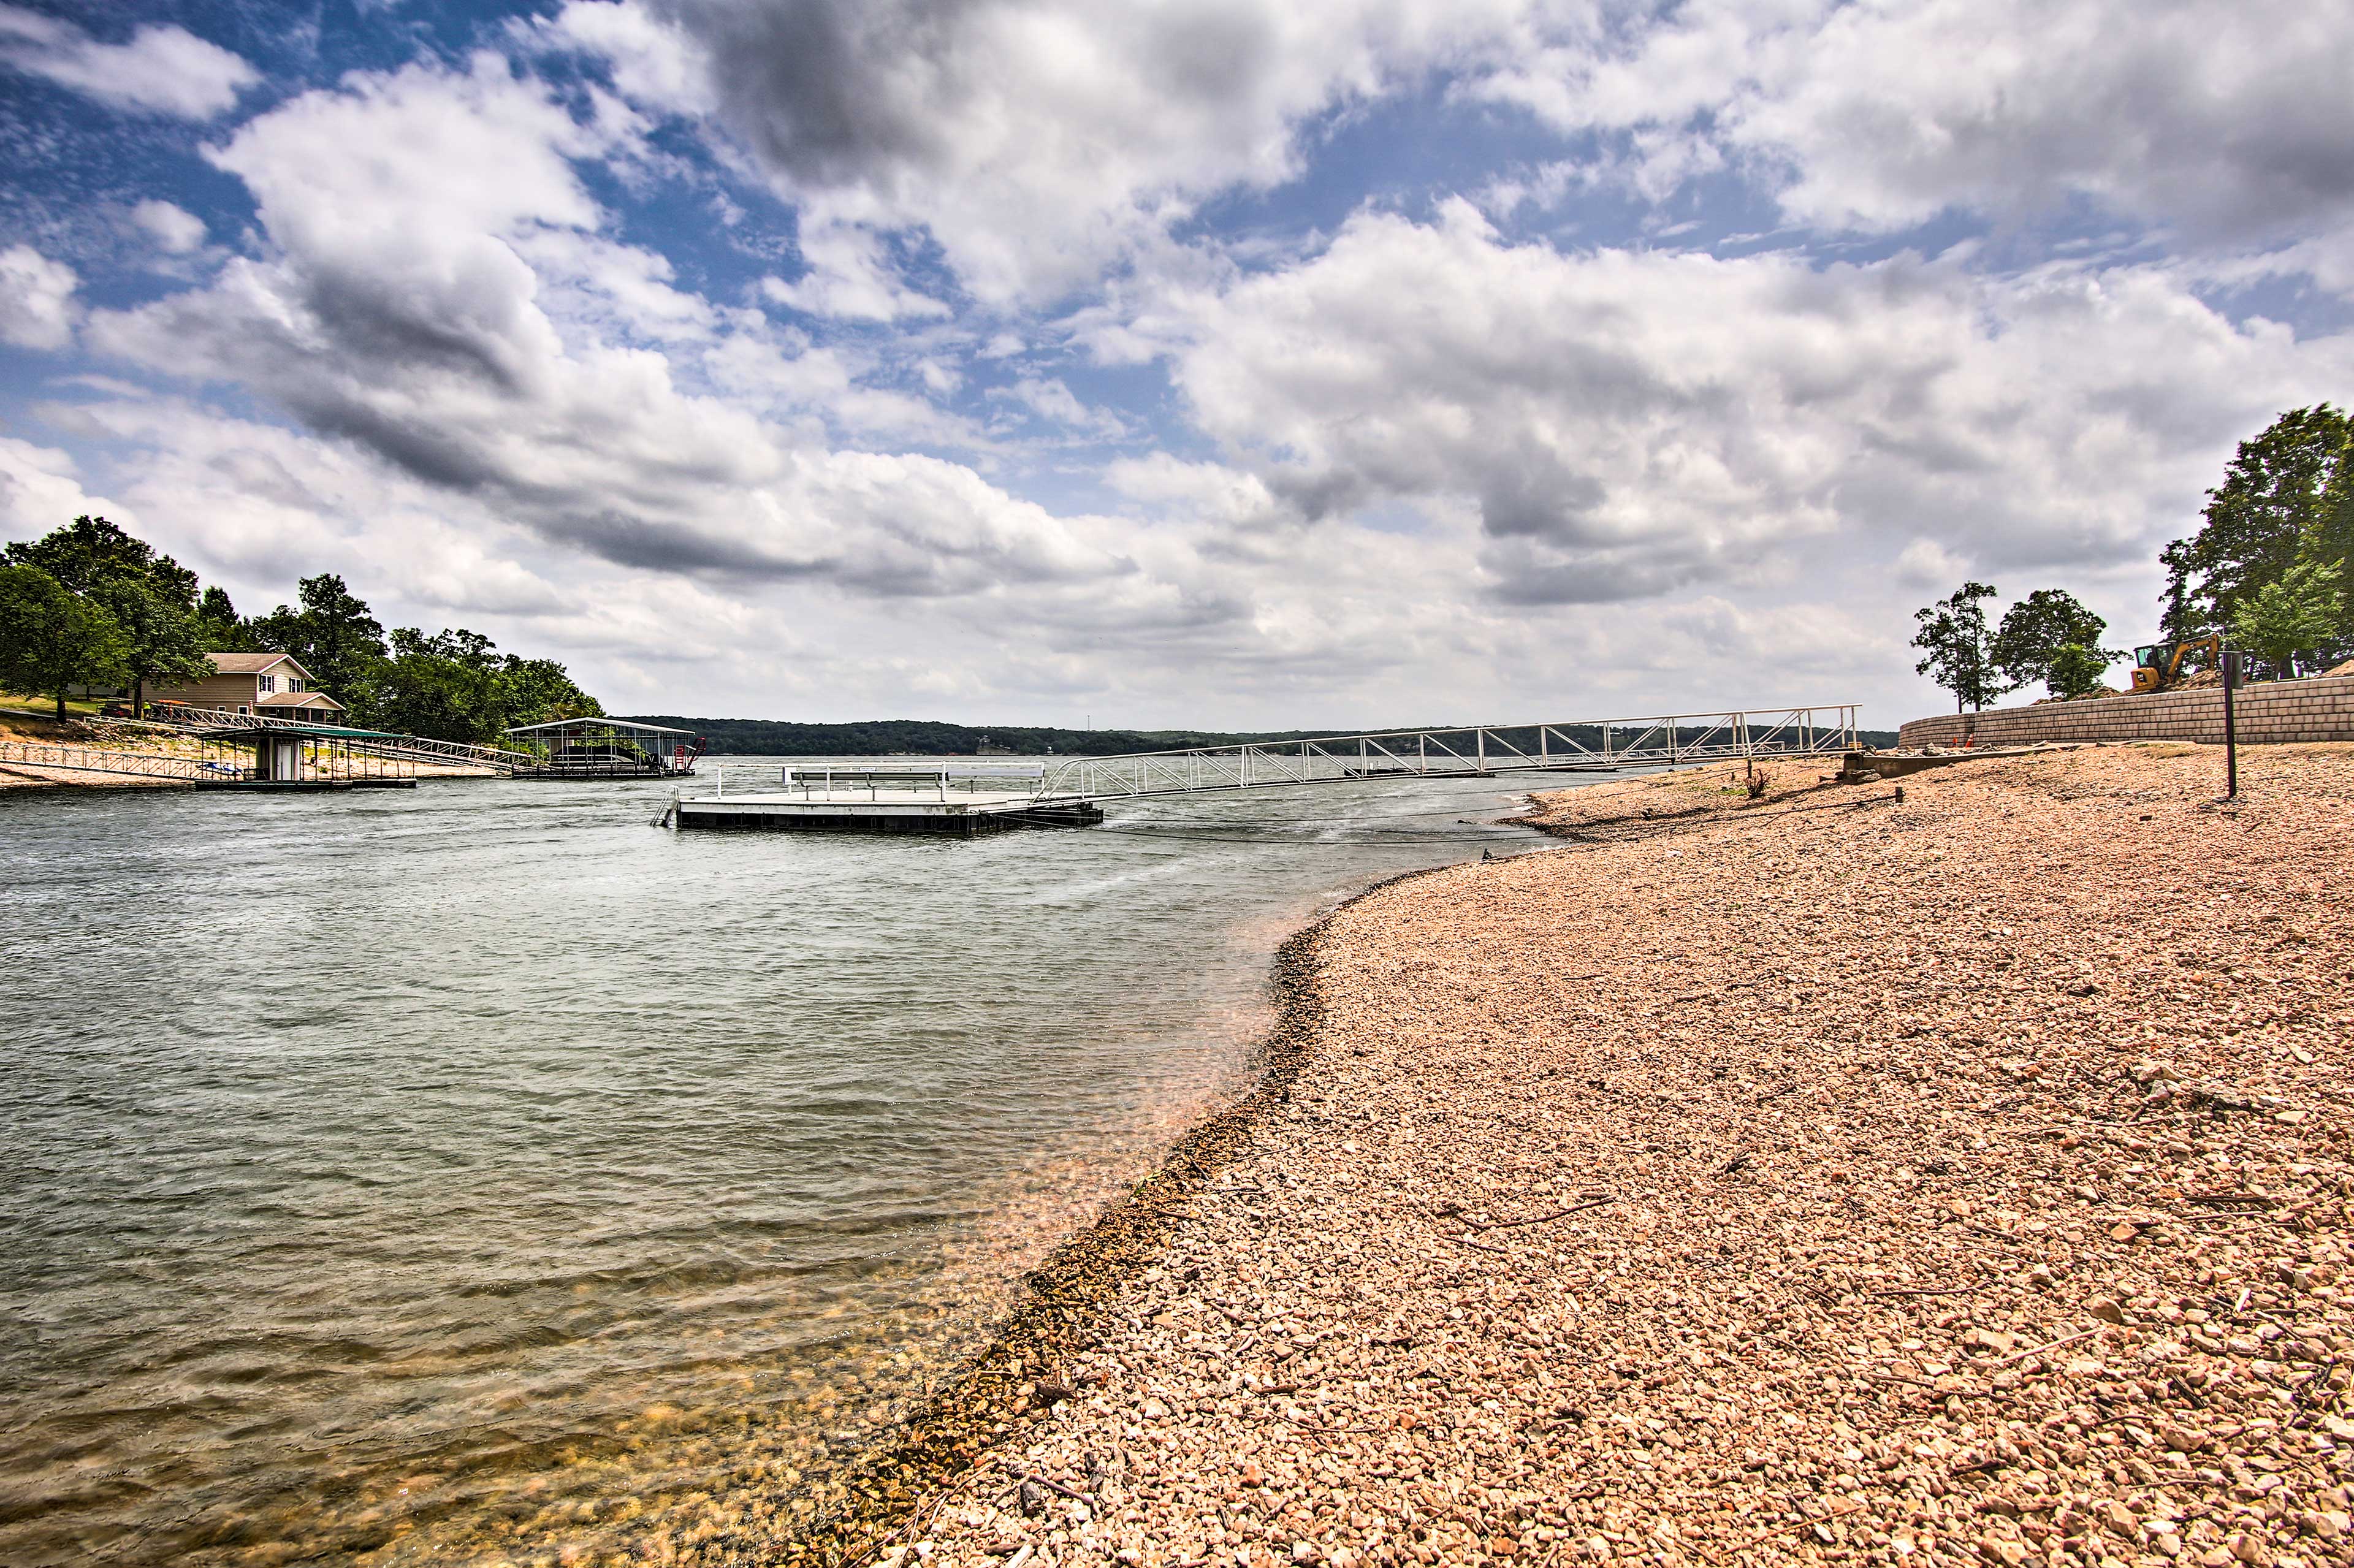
(2269,713)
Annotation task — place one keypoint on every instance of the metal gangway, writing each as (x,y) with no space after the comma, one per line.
(104,759)
(406,747)
(1472,751)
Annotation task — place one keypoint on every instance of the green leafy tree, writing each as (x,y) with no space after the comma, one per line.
(152,597)
(2331,542)
(446,686)
(219,626)
(333,635)
(163,642)
(2076,670)
(1959,647)
(468,647)
(2258,523)
(51,638)
(538,691)
(2296,614)
(2036,629)
(2177,622)
(90,552)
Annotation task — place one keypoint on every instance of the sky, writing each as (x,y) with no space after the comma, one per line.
(1224,364)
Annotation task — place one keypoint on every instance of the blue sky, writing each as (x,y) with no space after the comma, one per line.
(1225,363)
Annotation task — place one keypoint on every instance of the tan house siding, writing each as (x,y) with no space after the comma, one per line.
(234,687)
(213,692)
(2269,713)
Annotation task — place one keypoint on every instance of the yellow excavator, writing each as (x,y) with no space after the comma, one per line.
(2159,665)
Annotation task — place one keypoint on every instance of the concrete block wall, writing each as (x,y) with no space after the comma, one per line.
(2270,713)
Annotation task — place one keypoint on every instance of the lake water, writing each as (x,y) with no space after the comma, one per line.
(479,1171)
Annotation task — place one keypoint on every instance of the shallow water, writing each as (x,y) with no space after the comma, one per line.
(480,1170)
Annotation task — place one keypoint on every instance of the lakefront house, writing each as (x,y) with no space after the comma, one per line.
(265,685)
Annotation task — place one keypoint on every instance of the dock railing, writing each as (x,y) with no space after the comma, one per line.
(1476,751)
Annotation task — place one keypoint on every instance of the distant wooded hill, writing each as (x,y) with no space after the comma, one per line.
(923,738)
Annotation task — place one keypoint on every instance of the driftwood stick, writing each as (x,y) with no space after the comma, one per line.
(1044,1481)
(1542,1219)
(1796,1524)
(2038,1350)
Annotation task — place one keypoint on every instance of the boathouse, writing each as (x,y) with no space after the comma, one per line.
(604,748)
(303,756)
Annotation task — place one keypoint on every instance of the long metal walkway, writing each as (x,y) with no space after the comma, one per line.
(1577,746)
(103,759)
(405,748)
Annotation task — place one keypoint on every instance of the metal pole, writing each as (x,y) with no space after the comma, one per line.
(2230,726)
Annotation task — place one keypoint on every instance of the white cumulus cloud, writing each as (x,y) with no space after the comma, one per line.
(161,70)
(1628,423)
(37,298)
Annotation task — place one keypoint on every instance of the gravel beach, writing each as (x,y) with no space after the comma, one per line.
(1827,1176)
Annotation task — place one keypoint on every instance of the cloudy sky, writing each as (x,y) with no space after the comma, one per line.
(1217,361)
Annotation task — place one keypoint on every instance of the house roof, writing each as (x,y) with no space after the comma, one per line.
(248,664)
(297,700)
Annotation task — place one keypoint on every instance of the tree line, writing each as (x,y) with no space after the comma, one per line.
(2267,570)
(90,605)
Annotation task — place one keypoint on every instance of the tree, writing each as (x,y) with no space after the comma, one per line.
(90,552)
(2036,629)
(1960,649)
(151,597)
(537,691)
(51,639)
(218,626)
(2299,612)
(2177,622)
(161,642)
(333,636)
(2331,542)
(2076,670)
(422,691)
(2258,522)
(471,648)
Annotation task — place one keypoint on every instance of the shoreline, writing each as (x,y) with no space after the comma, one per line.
(1716,1213)
(881,1501)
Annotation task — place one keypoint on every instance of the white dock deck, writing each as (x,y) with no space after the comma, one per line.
(931,801)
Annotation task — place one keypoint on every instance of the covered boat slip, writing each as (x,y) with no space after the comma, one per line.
(604,748)
(301,756)
(950,802)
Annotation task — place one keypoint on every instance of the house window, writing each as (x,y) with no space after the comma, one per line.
(294,684)
(265,682)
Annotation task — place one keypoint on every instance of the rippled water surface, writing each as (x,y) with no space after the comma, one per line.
(479,1171)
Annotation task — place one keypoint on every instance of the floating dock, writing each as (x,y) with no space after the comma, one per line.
(937,801)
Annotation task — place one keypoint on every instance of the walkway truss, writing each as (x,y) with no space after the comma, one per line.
(403,747)
(104,759)
(1586,745)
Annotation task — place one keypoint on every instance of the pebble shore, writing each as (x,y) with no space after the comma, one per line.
(1824,1177)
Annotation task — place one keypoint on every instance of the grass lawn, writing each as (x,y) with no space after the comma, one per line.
(47,707)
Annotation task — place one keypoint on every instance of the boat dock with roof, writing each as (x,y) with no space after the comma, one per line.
(602,748)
